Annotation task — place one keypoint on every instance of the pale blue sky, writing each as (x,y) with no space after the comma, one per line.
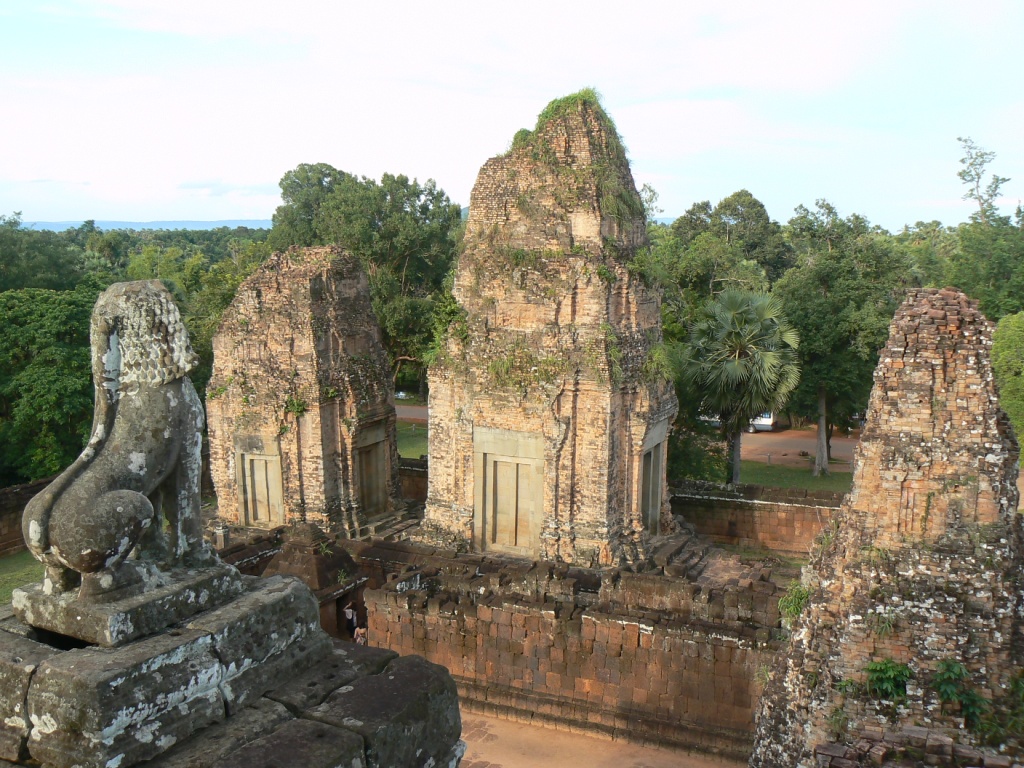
(193,109)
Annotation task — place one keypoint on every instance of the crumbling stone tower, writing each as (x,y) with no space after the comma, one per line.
(549,406)
(301,404)
(922,566)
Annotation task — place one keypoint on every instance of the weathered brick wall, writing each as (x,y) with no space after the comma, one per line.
(558,345)
(923,563)
(299,374)
(12,504)
(413,476)
(781,519)
(638,656)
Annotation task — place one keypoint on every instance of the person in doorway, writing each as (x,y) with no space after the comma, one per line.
(350,619)
(360,635)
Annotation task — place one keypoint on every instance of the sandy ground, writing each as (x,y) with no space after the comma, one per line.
(795,447)
(494,743)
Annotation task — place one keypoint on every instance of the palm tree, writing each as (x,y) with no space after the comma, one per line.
(741,358)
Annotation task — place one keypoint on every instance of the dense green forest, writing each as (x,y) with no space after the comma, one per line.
(833,277)
(49,282)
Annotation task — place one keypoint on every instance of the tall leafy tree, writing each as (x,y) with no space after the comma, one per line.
(740,222)
(1008,367)
(693,223)
(988,263)
(975,163)
(709,249)
(696,449)
(297,220)
(841,296)
(404,233)
(741,358)
(929,247)
(46,391)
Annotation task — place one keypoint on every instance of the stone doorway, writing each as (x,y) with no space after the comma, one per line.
(511,515)
(650,490)
(509,505)
(260,491)
(371,456)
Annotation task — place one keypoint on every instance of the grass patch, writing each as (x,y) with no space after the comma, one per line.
(756,473)
(17,570)
(412,440)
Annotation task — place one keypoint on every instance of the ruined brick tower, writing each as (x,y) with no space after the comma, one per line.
(301,405)
(922,566)
(549,406)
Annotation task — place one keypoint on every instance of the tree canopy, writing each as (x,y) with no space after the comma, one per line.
(46,390)
(49,282)
(984,256)
(1008,367)
(741,359)
(740,222)
(838,277)
(841,295)
(404,233)
(36,258)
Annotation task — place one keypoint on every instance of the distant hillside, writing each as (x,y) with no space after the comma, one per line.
(60,226)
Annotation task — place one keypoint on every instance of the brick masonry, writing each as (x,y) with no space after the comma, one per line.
(784,520)
(301,394)
(923,562)
(553,373)
(641,656)
(12,504)
(413,476)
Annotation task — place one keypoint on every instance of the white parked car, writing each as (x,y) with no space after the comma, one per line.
(768,422)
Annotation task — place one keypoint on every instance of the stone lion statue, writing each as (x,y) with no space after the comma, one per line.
(135,488)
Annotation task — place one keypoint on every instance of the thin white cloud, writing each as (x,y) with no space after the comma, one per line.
(235,94)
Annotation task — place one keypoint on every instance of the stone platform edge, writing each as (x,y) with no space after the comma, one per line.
(95,707)
(363,707)
(184,593)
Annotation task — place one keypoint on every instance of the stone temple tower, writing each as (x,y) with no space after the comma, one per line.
(921,569)
(549,404)
(301,406)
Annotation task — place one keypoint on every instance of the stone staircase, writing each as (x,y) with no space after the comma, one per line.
(394,527)
(683,554)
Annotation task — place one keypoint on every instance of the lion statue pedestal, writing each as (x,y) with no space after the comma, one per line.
(139,635)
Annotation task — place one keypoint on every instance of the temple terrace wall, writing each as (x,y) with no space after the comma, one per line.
(646,657)
(785,520)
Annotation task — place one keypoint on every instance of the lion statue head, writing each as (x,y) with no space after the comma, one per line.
(138,338)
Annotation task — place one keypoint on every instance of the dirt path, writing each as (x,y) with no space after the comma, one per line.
(795,448)
(414,414)
(493,743)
